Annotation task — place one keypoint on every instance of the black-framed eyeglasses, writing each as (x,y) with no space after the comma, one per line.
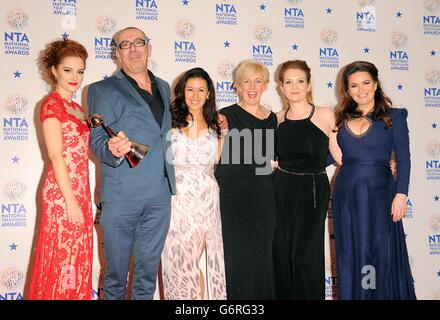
(127,44)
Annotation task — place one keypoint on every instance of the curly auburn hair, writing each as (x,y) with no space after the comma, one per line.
(55,52)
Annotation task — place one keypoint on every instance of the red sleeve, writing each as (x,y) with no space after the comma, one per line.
(52,108)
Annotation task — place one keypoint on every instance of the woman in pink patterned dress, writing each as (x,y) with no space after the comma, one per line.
(63,262)
(195,225)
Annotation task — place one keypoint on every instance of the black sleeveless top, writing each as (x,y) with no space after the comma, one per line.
(301,146)
(257,145)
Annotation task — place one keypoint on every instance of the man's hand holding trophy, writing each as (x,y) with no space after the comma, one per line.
(119,145)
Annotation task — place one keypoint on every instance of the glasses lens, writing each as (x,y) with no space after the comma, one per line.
(127,44)
(139,42)
(124,45)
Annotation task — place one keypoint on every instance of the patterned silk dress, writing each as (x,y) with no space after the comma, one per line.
(195,222)
(63,262)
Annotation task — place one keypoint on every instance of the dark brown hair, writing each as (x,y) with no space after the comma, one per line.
(347,107)
(297,64)
(55,52)
(179,109)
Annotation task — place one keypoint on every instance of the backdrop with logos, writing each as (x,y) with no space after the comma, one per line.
(402,37)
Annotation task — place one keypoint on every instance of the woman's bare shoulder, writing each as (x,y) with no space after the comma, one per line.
(280,116)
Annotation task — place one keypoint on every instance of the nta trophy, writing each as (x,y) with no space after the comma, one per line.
(138,150)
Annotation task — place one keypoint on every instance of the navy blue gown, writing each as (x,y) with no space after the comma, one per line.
(371,253)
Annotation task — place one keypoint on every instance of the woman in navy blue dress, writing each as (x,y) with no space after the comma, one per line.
(368,203)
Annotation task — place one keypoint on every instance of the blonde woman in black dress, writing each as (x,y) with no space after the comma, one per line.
(247,199)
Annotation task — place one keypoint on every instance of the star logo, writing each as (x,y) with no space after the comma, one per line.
(13,246)
(329,84)
(295,47)
(399,87)
(226,44)
(434,125)
(366,50)
(332,236)
(438,274)
(262,7)
(436,198)
(433,53)
(329,10)
(399,14)
(17,74)
(185,2)
(15,159)
(65,36)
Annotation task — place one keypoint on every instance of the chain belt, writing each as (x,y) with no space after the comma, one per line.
(306,174)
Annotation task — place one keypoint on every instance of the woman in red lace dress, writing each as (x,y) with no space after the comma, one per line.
(63,263)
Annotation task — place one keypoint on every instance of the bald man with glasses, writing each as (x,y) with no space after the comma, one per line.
(135,202)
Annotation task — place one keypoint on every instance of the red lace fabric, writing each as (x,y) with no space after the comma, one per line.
(63,262)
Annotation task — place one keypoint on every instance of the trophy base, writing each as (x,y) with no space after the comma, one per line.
(136,154)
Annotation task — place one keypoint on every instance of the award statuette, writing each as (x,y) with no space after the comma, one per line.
(138,150)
